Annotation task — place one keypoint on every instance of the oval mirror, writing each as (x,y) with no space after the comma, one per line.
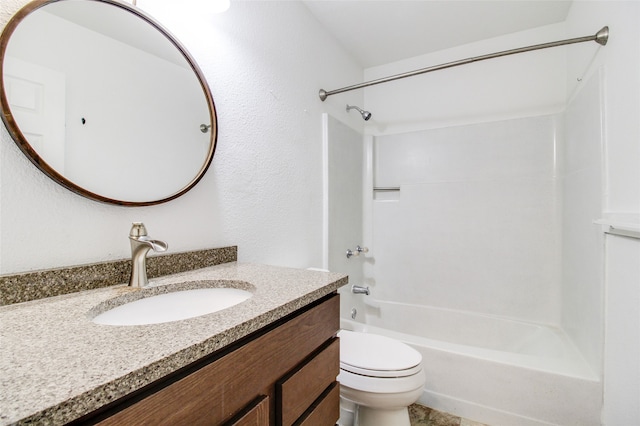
(105,101)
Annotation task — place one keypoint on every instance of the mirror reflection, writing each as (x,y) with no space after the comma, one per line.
(105,102)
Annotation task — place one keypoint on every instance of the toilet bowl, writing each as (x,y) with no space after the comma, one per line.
(379,378)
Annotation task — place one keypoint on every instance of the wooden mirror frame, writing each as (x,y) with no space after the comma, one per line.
(38,161)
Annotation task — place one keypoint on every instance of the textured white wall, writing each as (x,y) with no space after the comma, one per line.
(264,190)
(622,354)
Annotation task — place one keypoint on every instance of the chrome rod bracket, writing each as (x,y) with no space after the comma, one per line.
(602,36)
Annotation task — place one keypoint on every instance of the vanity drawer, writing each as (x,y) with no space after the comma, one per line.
(256,415)
(298,391)
(325,410)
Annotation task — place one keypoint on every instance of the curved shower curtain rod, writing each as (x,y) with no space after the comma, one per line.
(601,37)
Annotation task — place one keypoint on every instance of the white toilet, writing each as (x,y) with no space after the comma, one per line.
(379,378)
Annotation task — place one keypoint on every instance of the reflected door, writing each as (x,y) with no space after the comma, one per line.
(37,98)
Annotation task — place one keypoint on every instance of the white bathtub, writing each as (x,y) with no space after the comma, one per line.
(497,371)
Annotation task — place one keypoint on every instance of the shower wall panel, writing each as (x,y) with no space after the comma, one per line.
(475,225)
(345,157)
(582,240)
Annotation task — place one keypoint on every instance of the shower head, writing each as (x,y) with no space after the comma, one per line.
(366,115)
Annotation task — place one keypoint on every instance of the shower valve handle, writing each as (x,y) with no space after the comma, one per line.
(356,252)
(362,249)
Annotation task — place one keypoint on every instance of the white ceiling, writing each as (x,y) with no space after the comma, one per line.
(377,32)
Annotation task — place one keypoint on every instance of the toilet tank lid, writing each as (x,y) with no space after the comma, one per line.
(376,352)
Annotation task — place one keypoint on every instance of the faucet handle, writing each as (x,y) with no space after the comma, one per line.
(362,249)
(138,230)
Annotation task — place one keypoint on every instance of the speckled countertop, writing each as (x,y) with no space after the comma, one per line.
(56,365)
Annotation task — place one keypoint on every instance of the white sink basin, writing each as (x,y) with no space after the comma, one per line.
(174,306)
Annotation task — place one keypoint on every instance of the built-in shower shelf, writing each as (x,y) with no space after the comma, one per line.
(386,193)
(623,224)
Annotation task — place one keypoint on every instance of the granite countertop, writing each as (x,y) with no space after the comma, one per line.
(57,365)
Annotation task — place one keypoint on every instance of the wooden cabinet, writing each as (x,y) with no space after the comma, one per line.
(284,374)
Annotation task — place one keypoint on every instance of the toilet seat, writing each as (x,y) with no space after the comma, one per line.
(379,373)
(373,355)
(381,385)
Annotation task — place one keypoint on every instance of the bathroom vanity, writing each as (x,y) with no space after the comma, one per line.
(272,359)
(286,373)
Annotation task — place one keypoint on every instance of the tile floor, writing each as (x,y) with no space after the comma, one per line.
(424,416)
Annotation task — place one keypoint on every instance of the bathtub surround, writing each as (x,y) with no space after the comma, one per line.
(489,246)
(19,288)
(474,225)
(504,256)
(466,264)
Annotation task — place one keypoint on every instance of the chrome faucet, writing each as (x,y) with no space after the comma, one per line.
(140,246)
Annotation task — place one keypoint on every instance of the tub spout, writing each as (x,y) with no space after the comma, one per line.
(140,246)
(357,289)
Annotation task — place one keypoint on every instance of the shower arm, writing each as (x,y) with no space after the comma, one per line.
(601,37)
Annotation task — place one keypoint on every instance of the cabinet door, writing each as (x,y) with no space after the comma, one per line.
(256,415)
